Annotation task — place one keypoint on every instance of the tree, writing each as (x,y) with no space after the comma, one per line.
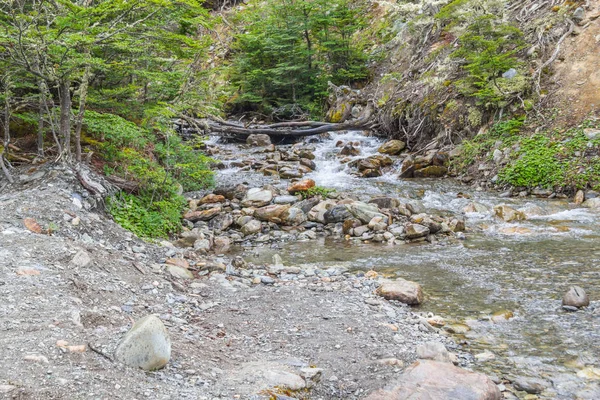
(290,49)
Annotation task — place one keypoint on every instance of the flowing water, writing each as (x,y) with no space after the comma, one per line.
(523,267)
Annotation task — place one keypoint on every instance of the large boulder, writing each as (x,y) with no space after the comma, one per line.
(221,222)
(404,291)
(232,192)
(385,202)
(204,215)
(273,213)
(317,213)
(338,213)
(593,203)
(257,197)
(435,380)
(392,147)
(251,227)
(432,171)
(147,345)
(415,231)
(301,186)
(365,212)
(293,216)
(258,140)
(576,297)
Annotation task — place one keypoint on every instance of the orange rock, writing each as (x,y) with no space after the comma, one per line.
(301,186)
(32,225)
(212,198)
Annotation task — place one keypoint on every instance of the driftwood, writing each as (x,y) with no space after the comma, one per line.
(284,129)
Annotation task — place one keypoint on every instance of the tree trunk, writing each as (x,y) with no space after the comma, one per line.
(45,95)
(40,133)
(83,91)
(6,129)
(64,92)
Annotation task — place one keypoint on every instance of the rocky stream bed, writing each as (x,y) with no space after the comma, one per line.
(271,292)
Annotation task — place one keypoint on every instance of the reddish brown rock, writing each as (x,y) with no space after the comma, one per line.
(435,380)
(212,198)
(301,186)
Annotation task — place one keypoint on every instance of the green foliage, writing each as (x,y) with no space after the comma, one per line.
(489,48)
(147,218)
(317,191)
(290,49)
(538,164)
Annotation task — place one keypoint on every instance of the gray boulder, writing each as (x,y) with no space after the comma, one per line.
(147,345)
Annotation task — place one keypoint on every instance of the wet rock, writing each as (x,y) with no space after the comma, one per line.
(349,150)
(301,186)
(317,213)
(579,197)
(530,385)
(257,197)
(212,198)
(365,212)
(433,171)
(407,169)
(508,214)
(371,173)
(475,208)
(426,380)
(404,291)
(258,140)
(251,227)
(385,202)
(392,147)
(457,329)
(294,216)
(290,173)
(576,297)
(147,345)
(593,203)
(433,351)
(360,230)
(415,231)
(457,225)
(337,213)
(349,225)
(310,164)
(377,224)
(305,153)
(203,215)
(501,316)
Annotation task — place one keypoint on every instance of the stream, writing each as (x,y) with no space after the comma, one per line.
(523,268)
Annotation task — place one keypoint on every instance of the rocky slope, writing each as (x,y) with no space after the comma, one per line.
(72,282)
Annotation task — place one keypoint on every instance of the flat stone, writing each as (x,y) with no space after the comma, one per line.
(414,231)
(407,292)
(433,351)
(530,385)
(576,297)
(147,345)
(434,380)
(179,272)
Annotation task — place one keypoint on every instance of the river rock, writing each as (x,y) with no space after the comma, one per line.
(385,202)
(232,192)
(222,244)
(415,231)
(432,171)
(434,380)
(349,150)
(317,213)
(508,214)
(251,227)
(285,200)
(179,272)
(257,197)
(202,245)
(404,291)
(576,297)
(147,345)
(258,140)
(360,230)
(392,147)
(365,212)
(212,198)
(530,385)
(293,216)
(221,222)
(272,213)
(457,225)
(204,215)
(301,186)
(337,213)
(593,203)
(378,224)
(475,208)
(308,204)
(433,351)
(579,197)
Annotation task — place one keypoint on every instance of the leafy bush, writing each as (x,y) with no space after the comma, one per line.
(317,191)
